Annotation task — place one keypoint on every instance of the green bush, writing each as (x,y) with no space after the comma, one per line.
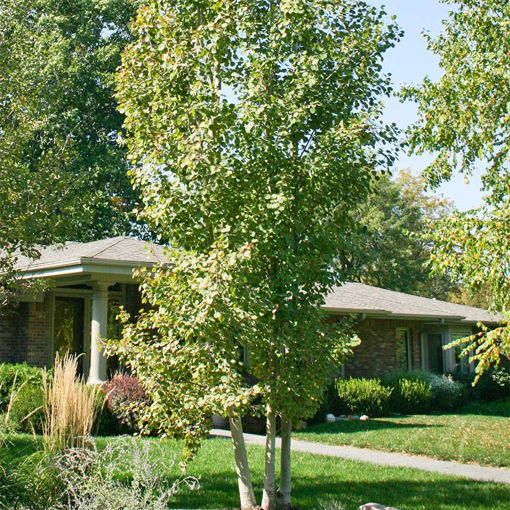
(493,385)
(26,413)
(411,396)
(446,393)
(330,403)
(13,376)
(364,396)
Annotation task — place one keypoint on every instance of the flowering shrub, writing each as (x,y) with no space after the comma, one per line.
(446,393)
(124,399)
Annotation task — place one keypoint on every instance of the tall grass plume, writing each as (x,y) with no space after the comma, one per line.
(70,406)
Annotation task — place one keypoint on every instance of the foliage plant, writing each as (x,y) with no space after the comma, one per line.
(124,398)
(463,118)
(253,129)
(364,396)
(27,410)
(411,396)
(446,393)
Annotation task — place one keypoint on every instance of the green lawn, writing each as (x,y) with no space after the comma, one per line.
(460,437)
(316,479)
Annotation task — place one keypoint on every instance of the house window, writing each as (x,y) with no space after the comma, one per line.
(403,349)
(461,363)
(432,352)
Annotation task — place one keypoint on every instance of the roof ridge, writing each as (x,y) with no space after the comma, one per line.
(119,239)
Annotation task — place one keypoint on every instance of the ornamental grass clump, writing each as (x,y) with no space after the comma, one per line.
(70,406)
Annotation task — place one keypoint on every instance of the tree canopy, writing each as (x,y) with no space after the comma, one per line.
(391,252)
(62,172)
(464,118)
(253,129)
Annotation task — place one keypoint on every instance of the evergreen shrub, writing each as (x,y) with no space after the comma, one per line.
(364,396)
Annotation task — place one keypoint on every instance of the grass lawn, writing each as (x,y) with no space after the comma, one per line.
(316,479)
(461,437)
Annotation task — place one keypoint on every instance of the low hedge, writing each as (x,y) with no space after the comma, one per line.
(364,396)
(27,410)
(15,375)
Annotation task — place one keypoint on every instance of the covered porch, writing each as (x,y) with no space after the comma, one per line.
(87,284)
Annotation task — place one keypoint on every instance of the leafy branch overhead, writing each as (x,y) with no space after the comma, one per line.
(464,118)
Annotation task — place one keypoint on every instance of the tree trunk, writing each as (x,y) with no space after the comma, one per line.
(284,493)
(246,494)
(269,494)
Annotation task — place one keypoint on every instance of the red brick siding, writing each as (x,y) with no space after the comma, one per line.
(376,355)
(7,339)
(25,335)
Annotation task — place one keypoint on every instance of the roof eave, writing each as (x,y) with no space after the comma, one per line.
(83,265)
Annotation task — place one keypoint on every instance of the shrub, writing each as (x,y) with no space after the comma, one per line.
(446,394)
(496,408)
(27,410)
(330,403)
(494,384)
(364,396)
(124,399)
(411,396)
(13,376)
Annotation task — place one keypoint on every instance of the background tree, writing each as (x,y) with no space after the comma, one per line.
(390,252)
(62,172)
(255,124)
(464,118)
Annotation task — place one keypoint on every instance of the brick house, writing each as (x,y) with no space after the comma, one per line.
(89,281)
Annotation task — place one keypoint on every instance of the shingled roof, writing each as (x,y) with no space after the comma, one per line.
(125,250)
(347,298)
(360,298)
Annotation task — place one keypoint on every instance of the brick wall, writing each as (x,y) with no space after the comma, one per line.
(7,339)
(376,355)
(25,334)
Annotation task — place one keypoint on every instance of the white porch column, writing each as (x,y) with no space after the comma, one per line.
(99,329)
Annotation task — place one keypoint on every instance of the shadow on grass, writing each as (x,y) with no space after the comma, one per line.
(351,426)
(499,409)
(219,490)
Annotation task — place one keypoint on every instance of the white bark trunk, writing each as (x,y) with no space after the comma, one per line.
(284,493)
(269,494)
(246,494)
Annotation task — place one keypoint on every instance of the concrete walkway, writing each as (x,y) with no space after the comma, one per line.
(473,471)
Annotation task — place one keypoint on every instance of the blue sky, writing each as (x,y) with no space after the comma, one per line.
(409,62)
